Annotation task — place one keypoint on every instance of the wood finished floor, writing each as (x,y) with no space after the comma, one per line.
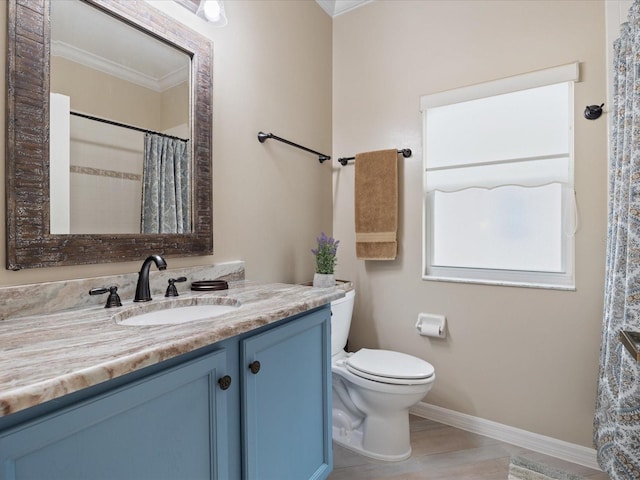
(441,452)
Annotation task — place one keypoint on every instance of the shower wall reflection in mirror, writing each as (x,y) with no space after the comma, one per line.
(120,127)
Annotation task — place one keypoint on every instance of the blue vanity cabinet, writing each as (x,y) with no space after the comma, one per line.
(169,425)
(176,420)
(286,394)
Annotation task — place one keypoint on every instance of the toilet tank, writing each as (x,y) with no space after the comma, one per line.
(341,311)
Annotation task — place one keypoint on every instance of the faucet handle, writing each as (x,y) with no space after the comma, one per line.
(172,291)
(113,300)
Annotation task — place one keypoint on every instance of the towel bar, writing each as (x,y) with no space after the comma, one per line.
(406,153)
(262,137)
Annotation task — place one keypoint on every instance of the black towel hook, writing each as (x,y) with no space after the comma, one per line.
(593,112)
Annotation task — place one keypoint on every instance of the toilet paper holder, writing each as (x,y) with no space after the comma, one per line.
(431,325)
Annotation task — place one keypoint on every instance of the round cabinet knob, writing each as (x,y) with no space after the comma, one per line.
(224,382)
(254,367)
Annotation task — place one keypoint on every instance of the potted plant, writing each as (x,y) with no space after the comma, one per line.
(326,261)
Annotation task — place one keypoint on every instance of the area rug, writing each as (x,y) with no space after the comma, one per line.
(523,469)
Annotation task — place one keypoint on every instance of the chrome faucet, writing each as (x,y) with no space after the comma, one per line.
(143,294)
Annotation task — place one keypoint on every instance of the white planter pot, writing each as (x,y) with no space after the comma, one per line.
(324,280)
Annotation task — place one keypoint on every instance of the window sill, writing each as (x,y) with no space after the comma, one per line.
(500,283)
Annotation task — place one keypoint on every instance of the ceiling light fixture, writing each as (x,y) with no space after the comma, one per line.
(213,12)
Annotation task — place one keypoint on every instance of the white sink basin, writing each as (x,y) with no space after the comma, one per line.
(174,314)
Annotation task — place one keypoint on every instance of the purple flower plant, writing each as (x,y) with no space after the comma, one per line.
(326,254)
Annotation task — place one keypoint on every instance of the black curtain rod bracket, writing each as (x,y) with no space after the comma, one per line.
(406,153)
(262,137)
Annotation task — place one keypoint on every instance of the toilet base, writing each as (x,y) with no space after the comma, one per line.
(352,440)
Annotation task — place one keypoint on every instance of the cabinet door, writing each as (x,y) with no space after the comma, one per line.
(286,402)
(171,425)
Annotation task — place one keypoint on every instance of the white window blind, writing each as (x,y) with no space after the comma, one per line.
(519,138)
(499,181)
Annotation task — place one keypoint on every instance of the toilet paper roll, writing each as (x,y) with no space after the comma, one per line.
(431,325)
(430,330)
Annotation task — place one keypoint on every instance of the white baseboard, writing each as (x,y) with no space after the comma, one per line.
(532,441)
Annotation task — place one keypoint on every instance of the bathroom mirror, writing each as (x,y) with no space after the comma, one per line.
(30,242)
(118,96)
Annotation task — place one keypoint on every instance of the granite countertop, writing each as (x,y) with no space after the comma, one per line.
(47,356)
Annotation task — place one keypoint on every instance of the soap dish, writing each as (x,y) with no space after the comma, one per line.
(209,285)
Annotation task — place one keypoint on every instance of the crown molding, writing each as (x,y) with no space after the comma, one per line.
(333,8)
(78,55)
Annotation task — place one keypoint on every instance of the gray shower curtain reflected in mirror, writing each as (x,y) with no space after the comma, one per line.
(166,185)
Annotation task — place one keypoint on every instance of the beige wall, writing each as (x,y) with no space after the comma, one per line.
(175,106)
(522,357)
(271,72)
(90,91)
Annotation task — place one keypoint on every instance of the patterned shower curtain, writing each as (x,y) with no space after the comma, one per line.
(617,418)
(166,185)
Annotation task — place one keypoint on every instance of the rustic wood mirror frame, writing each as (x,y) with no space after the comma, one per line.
(29,243)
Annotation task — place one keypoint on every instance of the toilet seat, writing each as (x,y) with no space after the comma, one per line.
(389,367)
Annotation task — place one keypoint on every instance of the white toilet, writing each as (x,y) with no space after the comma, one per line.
(373,391)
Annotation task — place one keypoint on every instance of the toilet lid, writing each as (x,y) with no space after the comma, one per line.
(390,367)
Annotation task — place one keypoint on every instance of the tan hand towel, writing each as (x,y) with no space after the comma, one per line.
(376,205)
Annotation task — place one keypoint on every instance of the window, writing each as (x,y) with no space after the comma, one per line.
(498,181)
